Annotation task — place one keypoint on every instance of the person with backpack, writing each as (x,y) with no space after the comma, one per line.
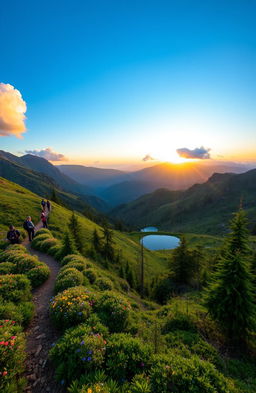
(48,203)
(44,219)
(30,228)
(13,235)
(43,204)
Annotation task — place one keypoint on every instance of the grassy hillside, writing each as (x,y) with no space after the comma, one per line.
(17,203)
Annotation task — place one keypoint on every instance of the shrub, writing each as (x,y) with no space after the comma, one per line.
(91,275)
(43,231)
(39,274)
(24,263)
(67,279)
(55,251)
(71,307)
(113,311)
(126,356)
(79,351)
(17,247)
(186,375)
(6,267)
(73,258)
(46,244)
(36,242)
(77,265)
(12,357)
(179,321)
(9,255)
(15,288)
(104,284)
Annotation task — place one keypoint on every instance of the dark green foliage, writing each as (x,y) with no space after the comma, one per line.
(181,263)
(174,373)
(68,278)
(68,245)
(15,288)
(21,313)
(96,241)
(230,297)
(127,356)
(74,258)
(38,275)
(76,231)
(163,289)
(91,274)
(81,350)
(107,247)
(238,239)
(6,267)
(104,284)
(113,310)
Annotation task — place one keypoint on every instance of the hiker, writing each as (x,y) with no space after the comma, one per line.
(48,203)
(43,204)
(44,219)
(13,235)
(30,228)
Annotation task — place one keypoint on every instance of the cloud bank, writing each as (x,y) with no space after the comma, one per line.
(148,157)
(12,111)
(48,154)
(198,152)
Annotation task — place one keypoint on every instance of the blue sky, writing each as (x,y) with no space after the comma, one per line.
(112,81)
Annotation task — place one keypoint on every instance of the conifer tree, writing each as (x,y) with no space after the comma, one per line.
(107,249)
(181,263)
(230,296)
(69,246)
(96,241)
(76,231)
(55,198)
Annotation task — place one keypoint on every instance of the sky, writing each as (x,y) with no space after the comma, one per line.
(128,83)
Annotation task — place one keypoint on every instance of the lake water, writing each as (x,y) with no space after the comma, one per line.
(160,242)
(149,229)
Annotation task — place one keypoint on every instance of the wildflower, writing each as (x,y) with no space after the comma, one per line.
(82,342)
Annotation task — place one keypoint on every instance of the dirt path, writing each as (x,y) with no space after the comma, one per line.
(41,334)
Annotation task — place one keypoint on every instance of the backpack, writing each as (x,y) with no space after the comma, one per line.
(25,225)
(12,235)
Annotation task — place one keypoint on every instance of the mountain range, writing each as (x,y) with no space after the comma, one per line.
(117,187)
(202,208)
(41,177)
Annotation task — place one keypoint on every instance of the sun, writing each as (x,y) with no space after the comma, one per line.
(173,158)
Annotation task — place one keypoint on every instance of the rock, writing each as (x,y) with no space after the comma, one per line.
(39,348)
(40,336)
(32,377)
(36,382)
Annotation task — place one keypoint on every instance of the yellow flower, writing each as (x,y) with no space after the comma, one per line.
(89,390)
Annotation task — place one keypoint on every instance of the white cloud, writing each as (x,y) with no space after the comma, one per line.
(48,154)
(12,111)
(198,152)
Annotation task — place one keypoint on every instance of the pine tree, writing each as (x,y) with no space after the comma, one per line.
(230,296)
(76,231)
(69,246)
(107,248)
(55,198)
(96,241)
(181,263)
(238,239)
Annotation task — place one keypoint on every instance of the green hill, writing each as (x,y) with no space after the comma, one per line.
(16,203)
(203,208)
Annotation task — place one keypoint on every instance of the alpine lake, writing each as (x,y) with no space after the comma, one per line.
(158,242)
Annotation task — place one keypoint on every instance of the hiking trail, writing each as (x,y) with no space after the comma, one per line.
(41,334)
